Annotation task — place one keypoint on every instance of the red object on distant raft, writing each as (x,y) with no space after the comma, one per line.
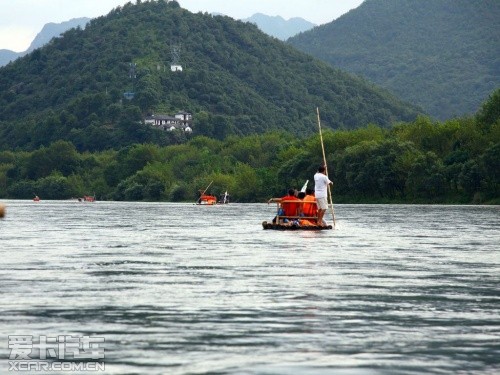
(207,200)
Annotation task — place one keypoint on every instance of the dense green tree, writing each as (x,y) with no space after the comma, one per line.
(490,162)
(178,193)
(55,186)
(22,189)
(489,114)
(471,177)
(60,156)
(426,177)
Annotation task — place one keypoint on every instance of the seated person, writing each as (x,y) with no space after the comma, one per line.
(310,208)
(288,206)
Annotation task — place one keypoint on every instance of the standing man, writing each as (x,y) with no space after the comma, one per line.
(321,182)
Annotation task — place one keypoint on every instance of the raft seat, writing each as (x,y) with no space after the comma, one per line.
(297,217)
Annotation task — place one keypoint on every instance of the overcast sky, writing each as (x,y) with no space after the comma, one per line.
(21,20)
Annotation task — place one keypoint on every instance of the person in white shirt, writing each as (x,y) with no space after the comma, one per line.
(321,182)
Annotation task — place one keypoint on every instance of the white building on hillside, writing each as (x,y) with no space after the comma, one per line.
(180,121)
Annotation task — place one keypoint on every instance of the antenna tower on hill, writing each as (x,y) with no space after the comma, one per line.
(175,51)
(129,95)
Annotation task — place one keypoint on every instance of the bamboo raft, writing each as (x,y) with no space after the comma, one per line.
(292,226)
(282,222)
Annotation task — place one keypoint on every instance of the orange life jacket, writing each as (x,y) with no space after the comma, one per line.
(310,208)
(290,208)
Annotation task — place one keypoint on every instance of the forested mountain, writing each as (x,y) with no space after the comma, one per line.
(49,31)
(235,80)
(278,27)
(443,55)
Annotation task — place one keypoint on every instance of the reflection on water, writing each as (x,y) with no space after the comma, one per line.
(180,288)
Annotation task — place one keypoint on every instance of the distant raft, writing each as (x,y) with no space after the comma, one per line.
(207,200)
(292,226)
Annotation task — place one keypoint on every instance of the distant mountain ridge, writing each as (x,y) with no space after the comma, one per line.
(49,31)
(278,27)
(443,55)
(6,56)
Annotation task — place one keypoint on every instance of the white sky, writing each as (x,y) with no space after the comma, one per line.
(21,20)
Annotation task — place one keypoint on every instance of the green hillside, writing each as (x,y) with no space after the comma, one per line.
(443,55)
(235,80)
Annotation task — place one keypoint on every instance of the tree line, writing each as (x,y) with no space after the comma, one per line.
(456,161)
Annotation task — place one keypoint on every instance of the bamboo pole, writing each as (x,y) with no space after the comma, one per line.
(203,192)
(326,168)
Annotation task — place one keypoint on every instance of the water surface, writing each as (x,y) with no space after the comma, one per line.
(186,289)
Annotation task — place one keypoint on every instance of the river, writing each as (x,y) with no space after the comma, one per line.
(186,289)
